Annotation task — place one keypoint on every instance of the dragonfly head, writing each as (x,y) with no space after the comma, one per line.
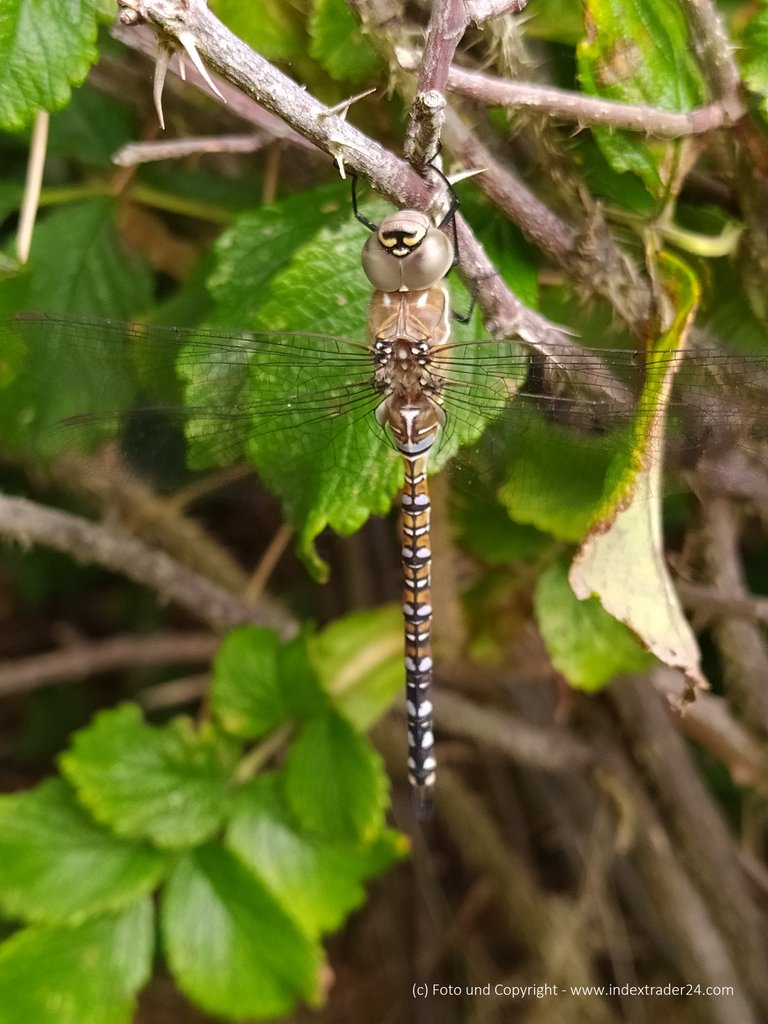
(407,253)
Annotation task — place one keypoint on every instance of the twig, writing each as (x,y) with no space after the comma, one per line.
(175,149)
(715,53)
(389,175)
(81,660)
(701,839)
(265,568)
(92,543)
(31,198)
(708,603)
(142,39)
(193,24)
(551,233)
(158,521)
(710,722)
(742,650)
(447,24)
(547,749)
(584,110)
(422,137)
(595,260)
(175,692)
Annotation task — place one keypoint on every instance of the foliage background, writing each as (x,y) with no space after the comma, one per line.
(579,839)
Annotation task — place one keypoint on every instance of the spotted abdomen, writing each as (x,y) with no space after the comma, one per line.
(417,613)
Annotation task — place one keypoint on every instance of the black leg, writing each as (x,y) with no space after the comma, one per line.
(360,216)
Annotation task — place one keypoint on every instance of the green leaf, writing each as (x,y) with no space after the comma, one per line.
(261,243)
(337,469)
(46,46)
(584,642)
(169,785)
(755,64)
(486,529)
(547,461)
(82,974)
(360,662)
(271,27)
(338,43)
(334,780)
(259,683)
(319,882)
(622,559)
(247,696)
(638,51)
(91,128)
(558,20)
(58,865)
(620,189)
(78,264)
(230,945)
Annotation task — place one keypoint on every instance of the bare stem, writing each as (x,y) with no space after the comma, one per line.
(447,24)
(193,24)
(584,110)
(176,149)
(701,838)
(96,544)
(35,166)
(715,53)
(745,660)
(82,659)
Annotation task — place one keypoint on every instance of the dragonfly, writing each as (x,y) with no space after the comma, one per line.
(304,406)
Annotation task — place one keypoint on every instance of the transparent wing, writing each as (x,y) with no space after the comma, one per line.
(70,382)
(302,403)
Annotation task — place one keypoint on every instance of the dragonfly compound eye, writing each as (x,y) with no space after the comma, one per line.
(407,253)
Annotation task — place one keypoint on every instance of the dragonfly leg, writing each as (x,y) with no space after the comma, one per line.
(356,210)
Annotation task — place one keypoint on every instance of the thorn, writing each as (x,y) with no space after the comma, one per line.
(162,60)
(463,175)
(187,40)
(337,146)
(341,109)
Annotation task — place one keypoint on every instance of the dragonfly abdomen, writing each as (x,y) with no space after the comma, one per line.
(417,612)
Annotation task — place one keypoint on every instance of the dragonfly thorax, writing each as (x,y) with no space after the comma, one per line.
(412,423)
(407,253)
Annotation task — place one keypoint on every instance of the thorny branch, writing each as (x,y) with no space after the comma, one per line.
(580,109)
(392,177)
(193,25)
(715,53)
(588,251)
